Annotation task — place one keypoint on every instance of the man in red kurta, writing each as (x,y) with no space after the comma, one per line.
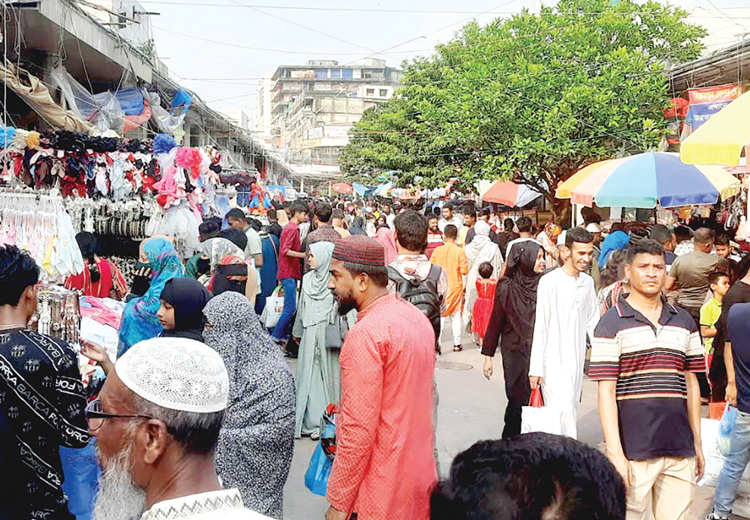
(384,466)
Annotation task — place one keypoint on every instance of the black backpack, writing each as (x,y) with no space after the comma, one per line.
(423,294)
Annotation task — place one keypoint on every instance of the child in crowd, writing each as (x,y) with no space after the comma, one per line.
(711,310)
(483,305)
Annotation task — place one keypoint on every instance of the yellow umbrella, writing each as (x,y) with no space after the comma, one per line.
(720,140)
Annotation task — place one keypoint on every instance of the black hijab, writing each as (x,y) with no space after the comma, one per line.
(188,297)
(515,300)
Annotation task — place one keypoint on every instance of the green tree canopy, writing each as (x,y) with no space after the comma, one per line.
(531,98)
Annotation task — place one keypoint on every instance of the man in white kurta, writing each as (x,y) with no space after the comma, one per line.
(566,310)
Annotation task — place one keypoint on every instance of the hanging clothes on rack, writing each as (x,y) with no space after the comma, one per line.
(39,224)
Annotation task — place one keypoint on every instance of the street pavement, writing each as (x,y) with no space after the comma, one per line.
(471,409)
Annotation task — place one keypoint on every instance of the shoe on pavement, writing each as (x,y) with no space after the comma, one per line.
(315,435)
(457,348)
(713,516)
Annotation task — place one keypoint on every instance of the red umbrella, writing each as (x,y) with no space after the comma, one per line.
(342,187)
(510,194)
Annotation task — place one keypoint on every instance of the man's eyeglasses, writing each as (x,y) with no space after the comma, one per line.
(95,417)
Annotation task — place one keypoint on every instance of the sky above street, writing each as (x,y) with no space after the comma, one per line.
(221,48)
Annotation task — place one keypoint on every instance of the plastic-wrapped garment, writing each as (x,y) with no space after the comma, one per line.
(122,188)
(166,160)
(101,180)
(131,101)
(179,222)
(7,133)
(164,120)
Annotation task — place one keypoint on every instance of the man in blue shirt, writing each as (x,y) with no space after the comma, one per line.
(737,361)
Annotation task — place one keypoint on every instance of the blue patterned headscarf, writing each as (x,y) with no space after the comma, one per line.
(139,321)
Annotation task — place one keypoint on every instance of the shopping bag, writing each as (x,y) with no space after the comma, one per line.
(536,399)
(716,410)
(539,418)
(274,308)
(726,426)
(714,458)
(316,477)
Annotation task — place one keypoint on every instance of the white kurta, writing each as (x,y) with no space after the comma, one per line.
(566,310)
(215,505)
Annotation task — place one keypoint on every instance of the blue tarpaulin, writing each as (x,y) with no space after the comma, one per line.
(182,102)
(131,101)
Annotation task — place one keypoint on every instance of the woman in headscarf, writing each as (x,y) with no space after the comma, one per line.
(139,321)
(384,236)
(358,227)
(548,239)
(513,316)
(100,277)
(226,261)
(181,311)
(318,374)
(481,249)
(257,437)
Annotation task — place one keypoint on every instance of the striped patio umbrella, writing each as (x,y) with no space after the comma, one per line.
(647,180)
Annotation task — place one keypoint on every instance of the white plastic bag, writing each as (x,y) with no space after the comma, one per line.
(714,458)
(274,308)
(545,419)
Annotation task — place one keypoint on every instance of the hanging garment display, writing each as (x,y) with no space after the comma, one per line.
(38,223)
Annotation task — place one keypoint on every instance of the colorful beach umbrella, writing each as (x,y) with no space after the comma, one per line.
(647,180)
(342,187)
(510,194)
(721,139)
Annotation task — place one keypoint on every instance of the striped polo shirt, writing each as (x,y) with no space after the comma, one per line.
(649,364)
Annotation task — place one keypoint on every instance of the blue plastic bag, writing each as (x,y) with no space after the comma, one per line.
(726,426)
(316,477)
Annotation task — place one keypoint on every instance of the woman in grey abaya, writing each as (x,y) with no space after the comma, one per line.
(318,373)
(257,437)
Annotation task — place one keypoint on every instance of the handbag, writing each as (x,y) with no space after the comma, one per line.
(336,330)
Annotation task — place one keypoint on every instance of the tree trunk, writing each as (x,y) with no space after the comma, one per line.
(560,208)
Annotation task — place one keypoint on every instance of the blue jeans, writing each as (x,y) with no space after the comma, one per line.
(289,285)
(734,465)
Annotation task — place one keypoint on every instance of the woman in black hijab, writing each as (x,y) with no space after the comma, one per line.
(181,311)
(513,316)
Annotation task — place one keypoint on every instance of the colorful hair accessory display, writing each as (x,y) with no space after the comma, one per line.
(190,159)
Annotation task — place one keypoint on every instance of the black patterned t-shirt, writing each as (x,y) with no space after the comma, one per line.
(43,399)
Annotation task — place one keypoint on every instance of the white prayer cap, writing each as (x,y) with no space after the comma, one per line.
(176,373)
(593,228)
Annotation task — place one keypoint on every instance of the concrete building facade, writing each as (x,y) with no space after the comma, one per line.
(307,110)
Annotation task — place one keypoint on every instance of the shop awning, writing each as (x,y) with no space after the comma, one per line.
(722,139)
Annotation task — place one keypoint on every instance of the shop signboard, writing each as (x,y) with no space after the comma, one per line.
(705,102)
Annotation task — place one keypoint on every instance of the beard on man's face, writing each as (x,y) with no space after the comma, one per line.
(346,302)
(119,498)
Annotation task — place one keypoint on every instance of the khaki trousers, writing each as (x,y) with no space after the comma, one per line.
(661,489)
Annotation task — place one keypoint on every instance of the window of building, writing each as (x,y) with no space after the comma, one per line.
(335,73)
(383,92)
(321,73)
(370,92)
(347,73)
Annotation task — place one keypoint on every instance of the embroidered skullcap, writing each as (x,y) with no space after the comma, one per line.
(176,373)
(360,250)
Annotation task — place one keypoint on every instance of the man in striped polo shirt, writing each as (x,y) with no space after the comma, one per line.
(645,354)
